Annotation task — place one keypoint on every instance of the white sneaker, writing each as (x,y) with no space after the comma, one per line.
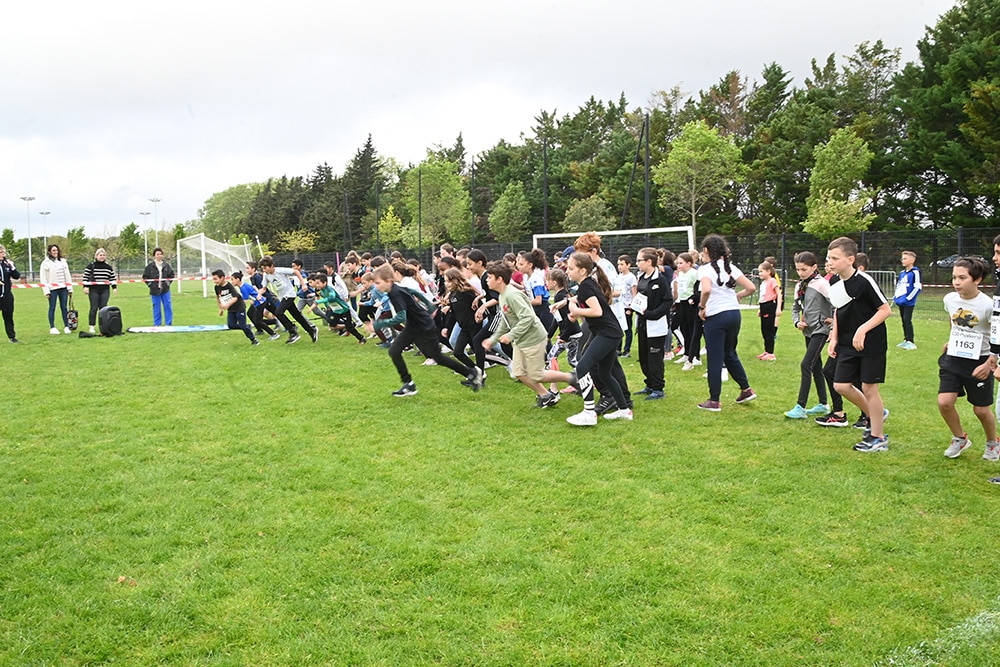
(91,329)
(66,330)
(681,359)
(957,446)
(687,366)
(54,331)
(625,414)
(725,374)
(585,418)
(992,452)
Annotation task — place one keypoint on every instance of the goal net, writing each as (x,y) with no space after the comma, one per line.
(198,256)
(628,242)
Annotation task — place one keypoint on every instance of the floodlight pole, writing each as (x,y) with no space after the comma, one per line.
(145,237)
(156,228)
(45,234)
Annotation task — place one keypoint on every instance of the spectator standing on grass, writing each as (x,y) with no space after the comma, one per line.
(719,309)
(768,309)
(410,310)
(966,365)
(652,303)
(158,276)
(858,340)
(99,280)
(811,314)
(8,273)
(57,285)
(908,287)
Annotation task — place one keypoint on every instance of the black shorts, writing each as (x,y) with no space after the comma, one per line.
(955,377)
(852,369)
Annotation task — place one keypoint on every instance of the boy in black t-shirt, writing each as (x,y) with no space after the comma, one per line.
(858,340)
(231,301)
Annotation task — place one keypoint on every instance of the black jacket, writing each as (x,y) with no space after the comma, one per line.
(7,271)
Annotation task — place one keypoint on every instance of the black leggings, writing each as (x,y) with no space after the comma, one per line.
(600,356)
(427,343)
(99,297)
(812,370)
(768,324)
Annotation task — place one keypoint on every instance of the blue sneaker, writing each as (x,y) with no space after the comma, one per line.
(819,410)
(872,444)
(655,395)
(798,412)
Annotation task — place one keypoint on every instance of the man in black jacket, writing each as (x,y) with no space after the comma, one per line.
(7,272)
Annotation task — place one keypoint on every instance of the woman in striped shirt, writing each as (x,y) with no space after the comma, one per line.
(99,280)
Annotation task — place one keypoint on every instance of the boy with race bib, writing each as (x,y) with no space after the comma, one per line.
(966,365)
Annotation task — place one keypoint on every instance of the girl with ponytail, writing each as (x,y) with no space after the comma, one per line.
(719,309)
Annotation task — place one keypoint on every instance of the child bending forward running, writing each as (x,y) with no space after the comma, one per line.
(419,331)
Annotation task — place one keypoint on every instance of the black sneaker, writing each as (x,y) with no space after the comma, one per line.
(255,342)
(548,400)
(314,334)
(837,421)
(606,404)
(645,390)
(408,389)
(475,379)
(294,338)
(14,340)
(862,424)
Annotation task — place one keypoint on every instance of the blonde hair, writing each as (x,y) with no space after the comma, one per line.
(99,251)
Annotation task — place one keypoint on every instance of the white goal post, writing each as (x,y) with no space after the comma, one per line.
(625,242)
(198,256)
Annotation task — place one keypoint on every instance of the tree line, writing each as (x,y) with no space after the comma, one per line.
(867,143)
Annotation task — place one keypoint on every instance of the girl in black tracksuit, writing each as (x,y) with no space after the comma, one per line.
(652,326)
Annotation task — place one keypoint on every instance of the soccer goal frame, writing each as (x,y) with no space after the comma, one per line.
(214,255)
(618,242)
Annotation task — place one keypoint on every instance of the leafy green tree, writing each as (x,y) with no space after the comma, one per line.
(296,241)
(390,228)
(588,215)
(700,169)
(130,240)
(837,197)
(941,158)
(225,213)
(509,219)
(437,201)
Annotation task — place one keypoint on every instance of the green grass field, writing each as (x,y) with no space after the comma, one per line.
(189,499)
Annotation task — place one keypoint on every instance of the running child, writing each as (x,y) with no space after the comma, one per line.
(285,296)
(520,327)
(227,295)
(966,365)
(858,340)
(332,307)
(592,302)
(811,312)
(409,310)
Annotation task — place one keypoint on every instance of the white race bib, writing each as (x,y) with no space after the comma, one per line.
(964,343)
(838,294)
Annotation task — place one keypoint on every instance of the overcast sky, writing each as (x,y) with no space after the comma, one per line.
(108,104)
